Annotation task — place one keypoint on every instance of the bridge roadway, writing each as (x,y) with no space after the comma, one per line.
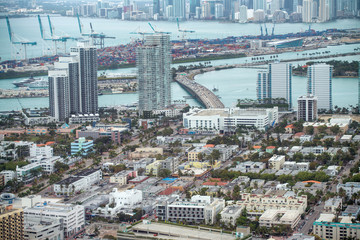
(208,98)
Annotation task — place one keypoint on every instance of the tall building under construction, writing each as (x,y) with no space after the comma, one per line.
(153,61)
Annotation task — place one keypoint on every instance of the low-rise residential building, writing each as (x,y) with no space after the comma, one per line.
(8,175)
(42,150)
(230,214)
(115,134)
(153,168)
(142,163)
(122,177)
(73,216)
(276,162)
(273,217)
(84,118)
(332,205)
(197,210)
(119,200)
(326,228)
(249,166)
(256,204)
(351,211)
(80,182)
(194,154)
(26,173)
(47,164)
(349,187)
(332,170)
(292,165)
(43,228)
(170,163)
(82,146)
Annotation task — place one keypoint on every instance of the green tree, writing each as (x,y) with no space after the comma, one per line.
(163,173)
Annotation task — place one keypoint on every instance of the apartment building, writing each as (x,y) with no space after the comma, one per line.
(276,162)
(43,228)
(199,209)
(257,204)
(11,223)
(273,217)
(326,228)
(230,213)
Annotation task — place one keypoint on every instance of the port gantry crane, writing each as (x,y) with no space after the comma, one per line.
(56,39)
(142,33)
(14,42)
(183,31)
(157,31)
(98,39)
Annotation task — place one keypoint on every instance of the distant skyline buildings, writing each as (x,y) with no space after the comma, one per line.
(73,83)
(153,61)
(319,84)
(294,10)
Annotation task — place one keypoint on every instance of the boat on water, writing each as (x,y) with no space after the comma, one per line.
(23,83)
(41,83)
(215,89)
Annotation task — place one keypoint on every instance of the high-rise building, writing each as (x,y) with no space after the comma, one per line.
(259,4)
(319,84)
(324,10)
(263,86)
(153,61)
(63,87)
(307,11)
(307,108)
(226,9)
(219,11)
(243,14)
(193,5)
(11,223)
(359,87)
(276,83)
(88,92)
(276,5)
(179,9)
(156,6)
(73,83)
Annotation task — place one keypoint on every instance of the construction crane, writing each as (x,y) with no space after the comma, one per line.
(261,30)
(183,31)
(43,37)
(156,31)
(273,28)
(21,43)
(98,39)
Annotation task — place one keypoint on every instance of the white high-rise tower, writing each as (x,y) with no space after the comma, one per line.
(319,84)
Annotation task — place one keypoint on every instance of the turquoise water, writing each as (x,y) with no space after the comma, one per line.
(233,83)
(28,29)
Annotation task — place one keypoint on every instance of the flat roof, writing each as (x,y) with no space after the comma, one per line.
(87,172)
(326,217)
(180,232)
(68,180)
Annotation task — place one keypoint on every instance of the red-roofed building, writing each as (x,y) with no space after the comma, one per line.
(209,146)
(298,135)
(270,149)
(169,191)
(257,148)
(289,129)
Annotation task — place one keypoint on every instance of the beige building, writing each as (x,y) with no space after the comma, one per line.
(230,214)
(276,162)
(257,204)
(153,168)
(145,152)
(326,229)
(273,217)
(11,223)
(193,155)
